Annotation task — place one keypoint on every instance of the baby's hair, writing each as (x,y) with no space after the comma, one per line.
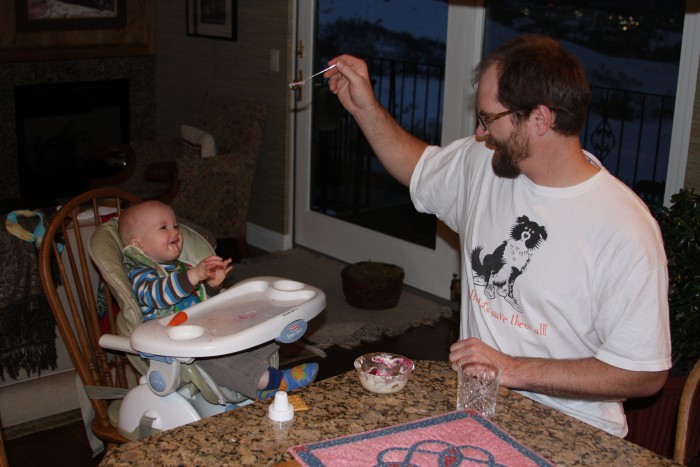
(129,219)
(126,225)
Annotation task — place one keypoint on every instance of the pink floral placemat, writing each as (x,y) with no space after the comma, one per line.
(459,438)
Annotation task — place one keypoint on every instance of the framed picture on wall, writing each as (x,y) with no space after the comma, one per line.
(212,18)
(67,15)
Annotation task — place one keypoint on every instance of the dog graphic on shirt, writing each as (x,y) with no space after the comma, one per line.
(498,270)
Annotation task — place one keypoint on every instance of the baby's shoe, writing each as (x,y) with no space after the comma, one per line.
(293,378)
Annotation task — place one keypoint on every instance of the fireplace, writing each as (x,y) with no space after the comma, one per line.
(61,131)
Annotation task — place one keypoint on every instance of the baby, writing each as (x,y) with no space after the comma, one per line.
(163,284)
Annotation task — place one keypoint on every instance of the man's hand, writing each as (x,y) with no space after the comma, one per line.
(350,82)
(474,350)
(212,269)
(584,378)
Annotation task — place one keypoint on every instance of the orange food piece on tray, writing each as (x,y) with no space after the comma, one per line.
(179,318)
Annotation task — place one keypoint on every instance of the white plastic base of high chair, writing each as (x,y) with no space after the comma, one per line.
(166,412)
(175,409)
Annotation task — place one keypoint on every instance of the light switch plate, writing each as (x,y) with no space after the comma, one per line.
(274,60)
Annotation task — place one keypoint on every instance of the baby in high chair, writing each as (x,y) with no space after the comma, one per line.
(163,285)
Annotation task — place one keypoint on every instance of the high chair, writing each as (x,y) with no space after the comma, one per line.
(173,389)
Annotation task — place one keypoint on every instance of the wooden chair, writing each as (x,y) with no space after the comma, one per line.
(68,279)
(3,453)
(689,398)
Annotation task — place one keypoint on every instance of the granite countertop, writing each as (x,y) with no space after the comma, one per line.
(341,406)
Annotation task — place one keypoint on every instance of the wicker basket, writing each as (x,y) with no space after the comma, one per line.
(371,285)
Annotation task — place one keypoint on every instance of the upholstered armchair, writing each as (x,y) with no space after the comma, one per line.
(213,192)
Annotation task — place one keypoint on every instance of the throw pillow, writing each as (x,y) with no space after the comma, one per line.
(197,143)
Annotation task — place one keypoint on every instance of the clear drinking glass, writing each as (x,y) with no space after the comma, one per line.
(477,387)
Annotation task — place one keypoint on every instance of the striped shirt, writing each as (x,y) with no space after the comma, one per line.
(160,296)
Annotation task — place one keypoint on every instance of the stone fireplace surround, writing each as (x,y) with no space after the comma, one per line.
(139,70)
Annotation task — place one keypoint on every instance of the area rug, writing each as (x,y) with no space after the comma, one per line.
(341,324)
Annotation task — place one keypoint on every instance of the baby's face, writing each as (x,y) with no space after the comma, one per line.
(161,238)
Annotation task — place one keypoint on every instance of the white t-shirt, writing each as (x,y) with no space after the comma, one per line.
(553,272)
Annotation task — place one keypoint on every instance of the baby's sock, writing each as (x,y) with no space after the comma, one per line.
(274,380)
(289,379)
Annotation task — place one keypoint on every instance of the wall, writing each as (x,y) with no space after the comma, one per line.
(187,67)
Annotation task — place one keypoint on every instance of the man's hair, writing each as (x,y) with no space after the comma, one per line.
(536,70)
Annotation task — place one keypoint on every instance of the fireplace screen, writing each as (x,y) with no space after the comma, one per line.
(62,130)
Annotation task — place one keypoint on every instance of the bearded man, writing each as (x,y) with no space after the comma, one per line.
(585,326)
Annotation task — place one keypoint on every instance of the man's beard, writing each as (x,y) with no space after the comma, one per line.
(509,154)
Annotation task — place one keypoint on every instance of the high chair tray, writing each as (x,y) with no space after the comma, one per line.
(250,313)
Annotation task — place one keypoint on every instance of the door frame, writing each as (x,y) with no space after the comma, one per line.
(686,89)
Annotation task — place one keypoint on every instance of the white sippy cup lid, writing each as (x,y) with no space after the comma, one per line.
(281,410)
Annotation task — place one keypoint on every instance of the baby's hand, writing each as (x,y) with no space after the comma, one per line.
(212,269)
(218,273)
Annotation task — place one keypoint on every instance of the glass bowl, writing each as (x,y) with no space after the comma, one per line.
(383,373)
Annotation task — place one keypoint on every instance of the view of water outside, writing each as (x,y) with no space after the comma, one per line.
(630,51)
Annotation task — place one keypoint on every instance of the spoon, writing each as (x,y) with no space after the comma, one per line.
(300,83)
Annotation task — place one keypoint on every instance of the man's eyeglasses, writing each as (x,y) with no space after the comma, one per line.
(485,119)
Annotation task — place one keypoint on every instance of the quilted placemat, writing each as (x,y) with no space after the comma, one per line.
(459,438)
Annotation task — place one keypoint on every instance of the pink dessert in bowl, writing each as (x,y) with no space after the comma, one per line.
(383,373)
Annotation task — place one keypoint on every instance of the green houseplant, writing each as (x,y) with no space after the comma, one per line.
(652,420)
(680,227)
